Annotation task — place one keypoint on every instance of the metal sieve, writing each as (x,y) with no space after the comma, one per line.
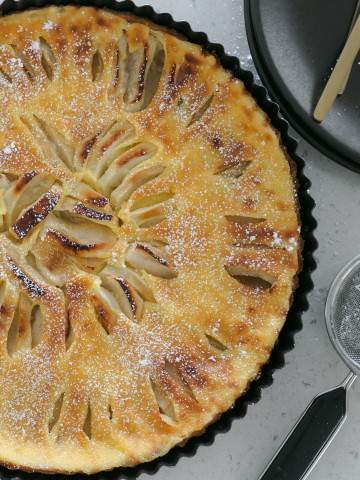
(314,431)
(343,314)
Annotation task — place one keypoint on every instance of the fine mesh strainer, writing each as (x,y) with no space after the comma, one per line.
(323,418)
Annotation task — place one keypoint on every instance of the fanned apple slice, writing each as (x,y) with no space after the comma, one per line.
(26,330)
(201,111)
(251,278)
(52,143)
(105,305)
(106,296)
(106,147)
(120,167)
(146,257)
(25,192)
(92,265)
(132,278)
(24,63)
(133,181)
(88,195)
(9,297)
(52,262)
(4,182)
(56,413)
(119,73)
(144,67)
(178,374)
(150,216)
(3,208)
(164,402)
(233,167)
(19,333)
(57,141)
(97,66)
(10,68)
(84,239)
(4,186)
(48,59)
(76,211)
(27,278)
(258,268)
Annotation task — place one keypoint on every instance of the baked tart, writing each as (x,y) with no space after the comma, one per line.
(149,240)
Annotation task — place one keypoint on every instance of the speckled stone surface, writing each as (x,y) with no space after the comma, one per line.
(313,366)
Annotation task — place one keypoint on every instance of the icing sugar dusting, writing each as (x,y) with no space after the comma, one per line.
(15,62)
(290,245)
(48,25)
(9,149)
(35,45)
(277,241)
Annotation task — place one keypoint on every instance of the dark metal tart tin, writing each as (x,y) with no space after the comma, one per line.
(305,284)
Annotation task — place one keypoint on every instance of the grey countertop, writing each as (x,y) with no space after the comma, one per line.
(312,366)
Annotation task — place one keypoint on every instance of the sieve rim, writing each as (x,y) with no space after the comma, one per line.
(334,290)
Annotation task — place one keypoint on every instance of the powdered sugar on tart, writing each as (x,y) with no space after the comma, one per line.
(149,240)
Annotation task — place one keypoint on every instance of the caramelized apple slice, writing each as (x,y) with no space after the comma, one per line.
(88,195)
(75,211)
(126,296)
(106,307)
(25,192)
(26,277)
(32,216)
(84,239)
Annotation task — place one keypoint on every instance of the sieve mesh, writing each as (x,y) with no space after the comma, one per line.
(345,318)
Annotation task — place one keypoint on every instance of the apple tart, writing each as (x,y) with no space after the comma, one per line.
(149,240)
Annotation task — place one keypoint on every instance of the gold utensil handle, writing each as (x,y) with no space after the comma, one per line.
(338,75)
(355,16)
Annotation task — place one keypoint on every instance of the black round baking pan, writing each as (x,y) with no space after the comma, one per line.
(299,305)
(294,45)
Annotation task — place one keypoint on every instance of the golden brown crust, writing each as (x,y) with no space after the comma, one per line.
(149,240)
